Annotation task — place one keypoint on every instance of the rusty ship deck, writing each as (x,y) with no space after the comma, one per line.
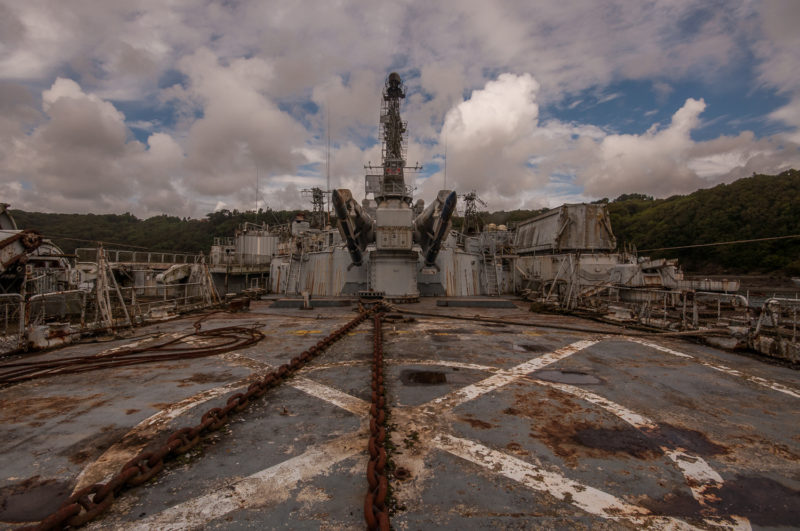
(510,419)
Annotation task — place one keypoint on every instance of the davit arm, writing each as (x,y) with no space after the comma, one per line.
(354,224)
(433,224)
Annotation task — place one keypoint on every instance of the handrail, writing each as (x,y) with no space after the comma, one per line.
(742,298)
(767,307)
(142,257)
(38,296)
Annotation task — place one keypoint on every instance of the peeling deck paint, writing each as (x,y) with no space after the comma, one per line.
(775,386)
(273,469)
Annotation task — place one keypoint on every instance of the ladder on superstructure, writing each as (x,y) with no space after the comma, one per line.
(293,276)
(490,267)
(105,283)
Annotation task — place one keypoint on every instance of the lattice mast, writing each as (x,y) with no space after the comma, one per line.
(393,132)
(390,182)
(472,218)
(318,200)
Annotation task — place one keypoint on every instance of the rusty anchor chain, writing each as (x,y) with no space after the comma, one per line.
(376,512)
(90,502)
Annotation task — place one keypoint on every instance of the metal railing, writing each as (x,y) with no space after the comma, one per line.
(731,298)
(394,189)
(12,311)
(63,305)
(85,254)
(677,306)
(80,309)
(779,313)
(240,260)
(144,302)
(101,304)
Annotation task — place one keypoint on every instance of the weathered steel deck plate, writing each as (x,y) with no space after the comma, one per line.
(496,426)
(329,302)
(479,302)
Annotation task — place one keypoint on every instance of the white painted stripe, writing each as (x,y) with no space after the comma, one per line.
(334,365)
(722,368)
(318,390)
(323,392)
(444,363)
(705,483)
(400,362)
(266,488)
(697,472)
(179,408)
(137,343)
(658,347)
(634,419)
(703,480)
(533,476)
(775,386)
(123,450)
(505,377)
(333,396)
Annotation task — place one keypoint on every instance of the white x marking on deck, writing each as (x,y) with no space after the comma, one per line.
(271,486)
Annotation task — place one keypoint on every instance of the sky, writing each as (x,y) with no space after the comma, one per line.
(187,107)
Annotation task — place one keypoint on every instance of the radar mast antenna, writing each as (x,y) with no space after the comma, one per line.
(328,162)
(394,141)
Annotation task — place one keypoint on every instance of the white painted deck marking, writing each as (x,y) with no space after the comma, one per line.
(120,452)
(331,395)
(266,488)
(775,386)
(703,480)
(634,419)
(533,476)
(323,392)
(505,377)
(334,365)
(446,363)
(403,361)
(137,343)
(271,486)
(696,470)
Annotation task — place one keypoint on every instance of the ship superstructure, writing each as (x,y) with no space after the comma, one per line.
(386,245)
(392,245)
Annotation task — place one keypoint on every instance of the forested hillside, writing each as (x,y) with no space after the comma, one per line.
(760,206)
(160,233)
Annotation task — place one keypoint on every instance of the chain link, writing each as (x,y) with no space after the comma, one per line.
(88,503)
(376,513)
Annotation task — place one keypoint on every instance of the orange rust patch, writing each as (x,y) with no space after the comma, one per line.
(80,457)
(516,448)
(200,378)
(477,424)
(563,425)
(755,442)
(763,501)
(560,423)
(42,407)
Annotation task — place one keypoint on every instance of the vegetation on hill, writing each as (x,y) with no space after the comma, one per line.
(760,206)
(158,233)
